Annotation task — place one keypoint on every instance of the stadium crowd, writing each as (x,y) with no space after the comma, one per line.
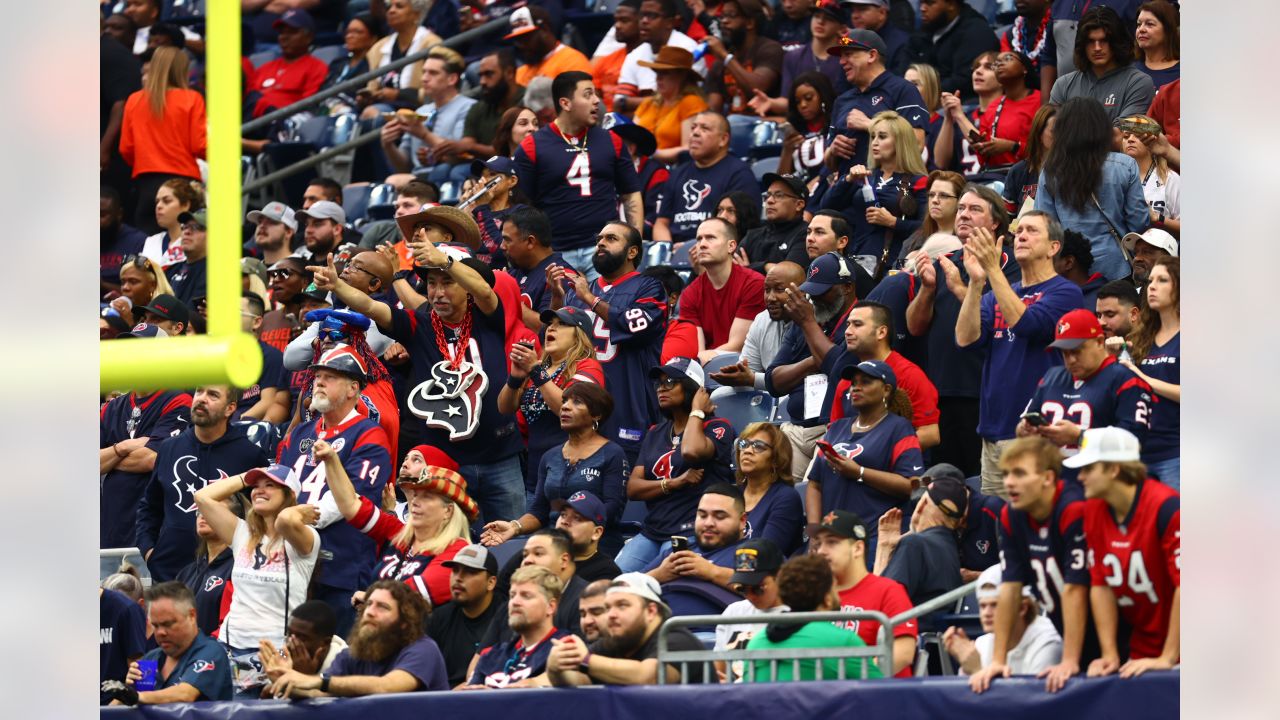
(760,307)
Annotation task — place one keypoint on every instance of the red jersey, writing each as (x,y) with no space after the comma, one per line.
(426,574)
(715,310)
(912,380)
(881,594)
(1009,120)
(1140,559)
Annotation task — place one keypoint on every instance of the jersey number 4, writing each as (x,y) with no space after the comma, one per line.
(579,174)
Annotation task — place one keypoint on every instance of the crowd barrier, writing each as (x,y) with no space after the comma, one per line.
(1154,695)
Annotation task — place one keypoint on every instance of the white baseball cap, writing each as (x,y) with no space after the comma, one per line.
(1153,236)
(635,583)
(1106,444)
(989,583)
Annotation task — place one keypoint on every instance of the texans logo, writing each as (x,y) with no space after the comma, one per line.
(450,399)
(186,481)
(694,193)
(212,582)
(984,546)
(849,452)
(200,666)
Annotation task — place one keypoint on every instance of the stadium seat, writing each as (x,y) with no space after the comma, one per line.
(328,53)
(696,597)
(766,140)
(355,200)
(110,560)
(655,253)
(450,192)
(680,255)
(509,549)
(382,199)
(780,414)
(741,408)
(262,58)
(344,127)
(802,489)
(764,166)
(741,129)
(315,131)
(715,364)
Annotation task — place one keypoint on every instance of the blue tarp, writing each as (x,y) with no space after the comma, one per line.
(1153,695)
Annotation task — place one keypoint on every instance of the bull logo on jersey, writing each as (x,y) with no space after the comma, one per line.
(212,582)
(200,666)
(450,399)
(984,546)
(187,481)
(849,452)
(694,193)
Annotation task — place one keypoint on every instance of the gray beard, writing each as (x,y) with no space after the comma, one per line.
(824,313)
(321,404)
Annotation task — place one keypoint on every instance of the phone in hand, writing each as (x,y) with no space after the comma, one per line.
(1034,419)
(976,137)
(678,543)
(826,447)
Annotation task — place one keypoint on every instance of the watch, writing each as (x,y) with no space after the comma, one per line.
(324,683)
(697,414)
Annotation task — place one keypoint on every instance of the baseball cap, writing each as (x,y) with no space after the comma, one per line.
(950,495)
(315,293)
(1153,236)
(943,470)
(755,560)
(833,10)
(877,3)
(792,182)
(143,330)
(569,316)
(169,308)
(497,163)
(585,504)
(1074,328)
(199,217)
(845,524)
(324,210)
(680,367)
(859,39)
(526,20)
(1106,444)
(254,266)
(639,584)
(826,271)
(277,211)
(989,583)
(300,19)
(877,369)
(276,473)
(476,557)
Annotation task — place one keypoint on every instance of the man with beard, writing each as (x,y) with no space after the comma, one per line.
(324,230)
(658,20)
(276,225)
(364,450)
(719,526)
(631,319)
(458,626)
(116,241)
(577,172)
(386,653)
(627,652)
(782,236)
(795,371)
(289,277)
(951,35)
(536,44)
(552,549)
(591,609)
(1032,36)
(498,92)
(1146,249)
(764,337)
(522,660)
(1119,310)
(746,61)
(709,173)
(583,518)
(207,450)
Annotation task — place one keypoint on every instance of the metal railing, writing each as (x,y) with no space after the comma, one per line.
(881,651)
(351,84)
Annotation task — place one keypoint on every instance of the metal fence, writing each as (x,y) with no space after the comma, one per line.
(881,651)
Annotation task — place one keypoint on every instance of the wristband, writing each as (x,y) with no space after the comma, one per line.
(1016,147)
(697,414)
(862,470)
(519,527)
(663,485)
(402,275)
(540,376)
(514,382)
(728,59)
(324,683)
(585,665)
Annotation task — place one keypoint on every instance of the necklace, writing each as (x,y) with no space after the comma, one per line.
(857,425)
(464,338)
(1018,37)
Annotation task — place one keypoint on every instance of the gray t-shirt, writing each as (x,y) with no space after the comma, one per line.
(447,121)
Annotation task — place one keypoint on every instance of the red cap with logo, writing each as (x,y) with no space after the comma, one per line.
(1074,328)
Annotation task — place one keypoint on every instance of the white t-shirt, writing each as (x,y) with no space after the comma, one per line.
(258,605)
(644,78)
(154,250)
(1039,648)
(1164,195)
(738,635)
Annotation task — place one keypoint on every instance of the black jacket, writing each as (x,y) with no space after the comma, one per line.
(953,53)
(775,242)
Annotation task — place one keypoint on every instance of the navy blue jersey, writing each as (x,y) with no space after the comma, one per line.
(957,372)
(779,516)
(1046,556)
(1019,355)
(931,128)
(157,416)
(187,279)
(533,282)
(122,635)
(1112,396)
(273,376)
(204,666)
(346,554)
(628,345)
(691,192)
(886,92)
(896,291)
(576,182)
(510,661)
(660,456)
(167,511)
(890,445)
(794,349)
(964,159)
(979,541)
(721,557)
(852,200)
(457,409)
(1161,363)
(603,473)
(208,581)
(128,241)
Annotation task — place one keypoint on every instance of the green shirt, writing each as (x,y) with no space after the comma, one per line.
(812,635)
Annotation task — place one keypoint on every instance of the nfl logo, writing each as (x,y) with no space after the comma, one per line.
(1044,533)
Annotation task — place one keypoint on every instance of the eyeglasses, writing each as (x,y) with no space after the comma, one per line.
(778,195)
(352,266)
(943,196)
(193,227)
(753,445)
(665,383)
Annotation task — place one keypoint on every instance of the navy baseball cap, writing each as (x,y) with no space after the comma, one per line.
(858,39)
(877,369)
(476,557)
(795,184)
(950,495)
(833,10)
(169,308)
(143,330)
(300,19)
(826,271)
(585,504)
(569,316)
(497,163)
(755,560)
(679,367)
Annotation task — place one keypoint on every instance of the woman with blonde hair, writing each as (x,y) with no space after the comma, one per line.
(435,528)
(884,199)
(667,112)
(774,510)
(925,78)
(1161,186)
(535,388)
(1156,349)
(163,130)
(141,279)
(174,197)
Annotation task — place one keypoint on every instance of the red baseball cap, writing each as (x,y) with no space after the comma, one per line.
(1074,328)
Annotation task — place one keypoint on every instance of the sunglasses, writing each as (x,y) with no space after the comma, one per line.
(754,445)
(142,262)
(282,273)
(333,335)
(665,383)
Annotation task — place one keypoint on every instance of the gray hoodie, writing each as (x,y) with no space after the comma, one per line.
(1039,648)
(1124,91)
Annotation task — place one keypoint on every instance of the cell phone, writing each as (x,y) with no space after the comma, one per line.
(826,447)
(975,136)
(678,543)
(1034,419)
(526,343)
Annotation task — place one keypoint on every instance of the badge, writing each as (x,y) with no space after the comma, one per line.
(132,423)
(450,399)
(304,448)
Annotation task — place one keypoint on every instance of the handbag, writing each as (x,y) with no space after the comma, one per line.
(1111,228)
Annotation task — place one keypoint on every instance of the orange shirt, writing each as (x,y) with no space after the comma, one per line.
(665,121)
(562,59)
(169,143)
(605,70)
